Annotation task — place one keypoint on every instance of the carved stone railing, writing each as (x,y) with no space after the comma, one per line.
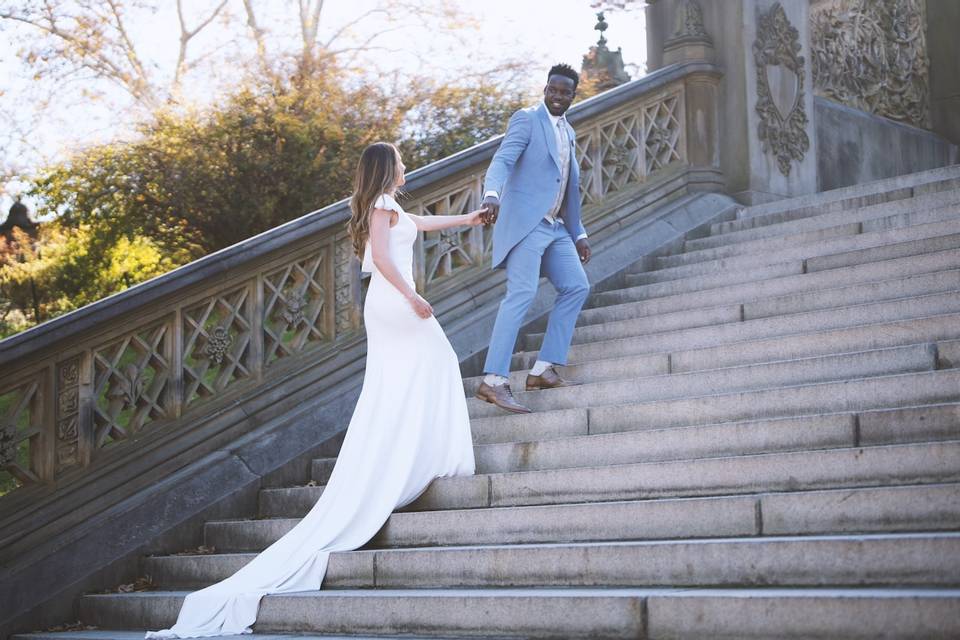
(101,385)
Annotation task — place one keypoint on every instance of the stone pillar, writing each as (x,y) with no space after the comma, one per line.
(943,46)
(767,143)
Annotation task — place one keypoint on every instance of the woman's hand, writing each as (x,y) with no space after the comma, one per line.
(475,218)
(420,306)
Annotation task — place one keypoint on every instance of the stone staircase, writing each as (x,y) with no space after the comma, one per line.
(767,445)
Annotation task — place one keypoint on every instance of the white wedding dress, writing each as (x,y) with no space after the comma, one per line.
(410,426)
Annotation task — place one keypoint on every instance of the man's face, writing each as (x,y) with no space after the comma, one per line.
(558,94)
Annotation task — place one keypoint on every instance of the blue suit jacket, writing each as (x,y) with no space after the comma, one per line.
(525,171)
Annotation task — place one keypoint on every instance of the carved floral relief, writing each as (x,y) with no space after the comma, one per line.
(872,55)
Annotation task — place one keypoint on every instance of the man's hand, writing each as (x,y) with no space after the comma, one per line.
(492,205)
(583,248)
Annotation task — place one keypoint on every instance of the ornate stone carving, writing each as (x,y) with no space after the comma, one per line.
(127,386)
(68,410)
(343,290)
(690,21)
(293,306)
(218,342)
(872,55)
(780,69)
(8,444)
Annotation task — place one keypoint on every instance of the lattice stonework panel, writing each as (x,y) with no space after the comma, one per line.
(450,251)
(132,378)
(68,414)
(620,152)
(20,427)
(591,187)
(298,306)
(216,344)
(661,133)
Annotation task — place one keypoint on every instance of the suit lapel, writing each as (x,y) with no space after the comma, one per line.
(547,127)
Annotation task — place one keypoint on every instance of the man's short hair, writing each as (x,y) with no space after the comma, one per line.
(566,71)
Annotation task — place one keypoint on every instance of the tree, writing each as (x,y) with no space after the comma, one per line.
(444,118)
(92,39)
(198,182)
(66,268)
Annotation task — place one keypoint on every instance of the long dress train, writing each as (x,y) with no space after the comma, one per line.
(410,426)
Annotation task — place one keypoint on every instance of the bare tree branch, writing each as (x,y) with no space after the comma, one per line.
(258,37)
(185,36)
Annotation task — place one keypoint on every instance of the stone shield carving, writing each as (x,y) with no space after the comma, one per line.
(780,70)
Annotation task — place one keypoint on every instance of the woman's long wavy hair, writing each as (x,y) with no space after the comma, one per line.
(376,174)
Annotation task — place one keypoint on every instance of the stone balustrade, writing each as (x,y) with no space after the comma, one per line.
(150,369)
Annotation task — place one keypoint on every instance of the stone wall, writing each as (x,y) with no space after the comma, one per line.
(856,147)
(943,24)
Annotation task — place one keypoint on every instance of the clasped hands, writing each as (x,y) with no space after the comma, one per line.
(490,209)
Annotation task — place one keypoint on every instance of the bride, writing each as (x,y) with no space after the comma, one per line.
(410,424)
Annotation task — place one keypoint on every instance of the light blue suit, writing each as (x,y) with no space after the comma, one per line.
(526,173)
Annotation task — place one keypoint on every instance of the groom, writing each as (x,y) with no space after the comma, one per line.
(534,182)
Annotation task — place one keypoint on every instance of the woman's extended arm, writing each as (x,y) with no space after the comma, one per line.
(380,249)
(435,223)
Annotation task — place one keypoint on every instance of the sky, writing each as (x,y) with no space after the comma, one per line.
(542,31)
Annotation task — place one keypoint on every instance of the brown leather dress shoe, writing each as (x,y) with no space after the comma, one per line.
(502,396)
(549,379)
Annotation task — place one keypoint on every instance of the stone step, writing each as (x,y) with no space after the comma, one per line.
(912,559)
(598,613)
(922,507)
(889,216)
(114,634)
(864,364)
(834,297)
(608,357)
(897,426)
(703,441)
(866,466)
(321,468)
(864,194)
(748,218)
(771,280)
(579,448)
(849,232)
(620,339)
(880,392)
(840,244)
(870,247)
(885,465)
(547,425)
(943,205)
(610,366)
(862,293)
(654,287)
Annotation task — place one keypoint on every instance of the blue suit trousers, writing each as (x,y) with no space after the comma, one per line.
(549,248)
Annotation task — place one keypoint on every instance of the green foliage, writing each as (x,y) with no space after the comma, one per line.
(65,268)
(446,119)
